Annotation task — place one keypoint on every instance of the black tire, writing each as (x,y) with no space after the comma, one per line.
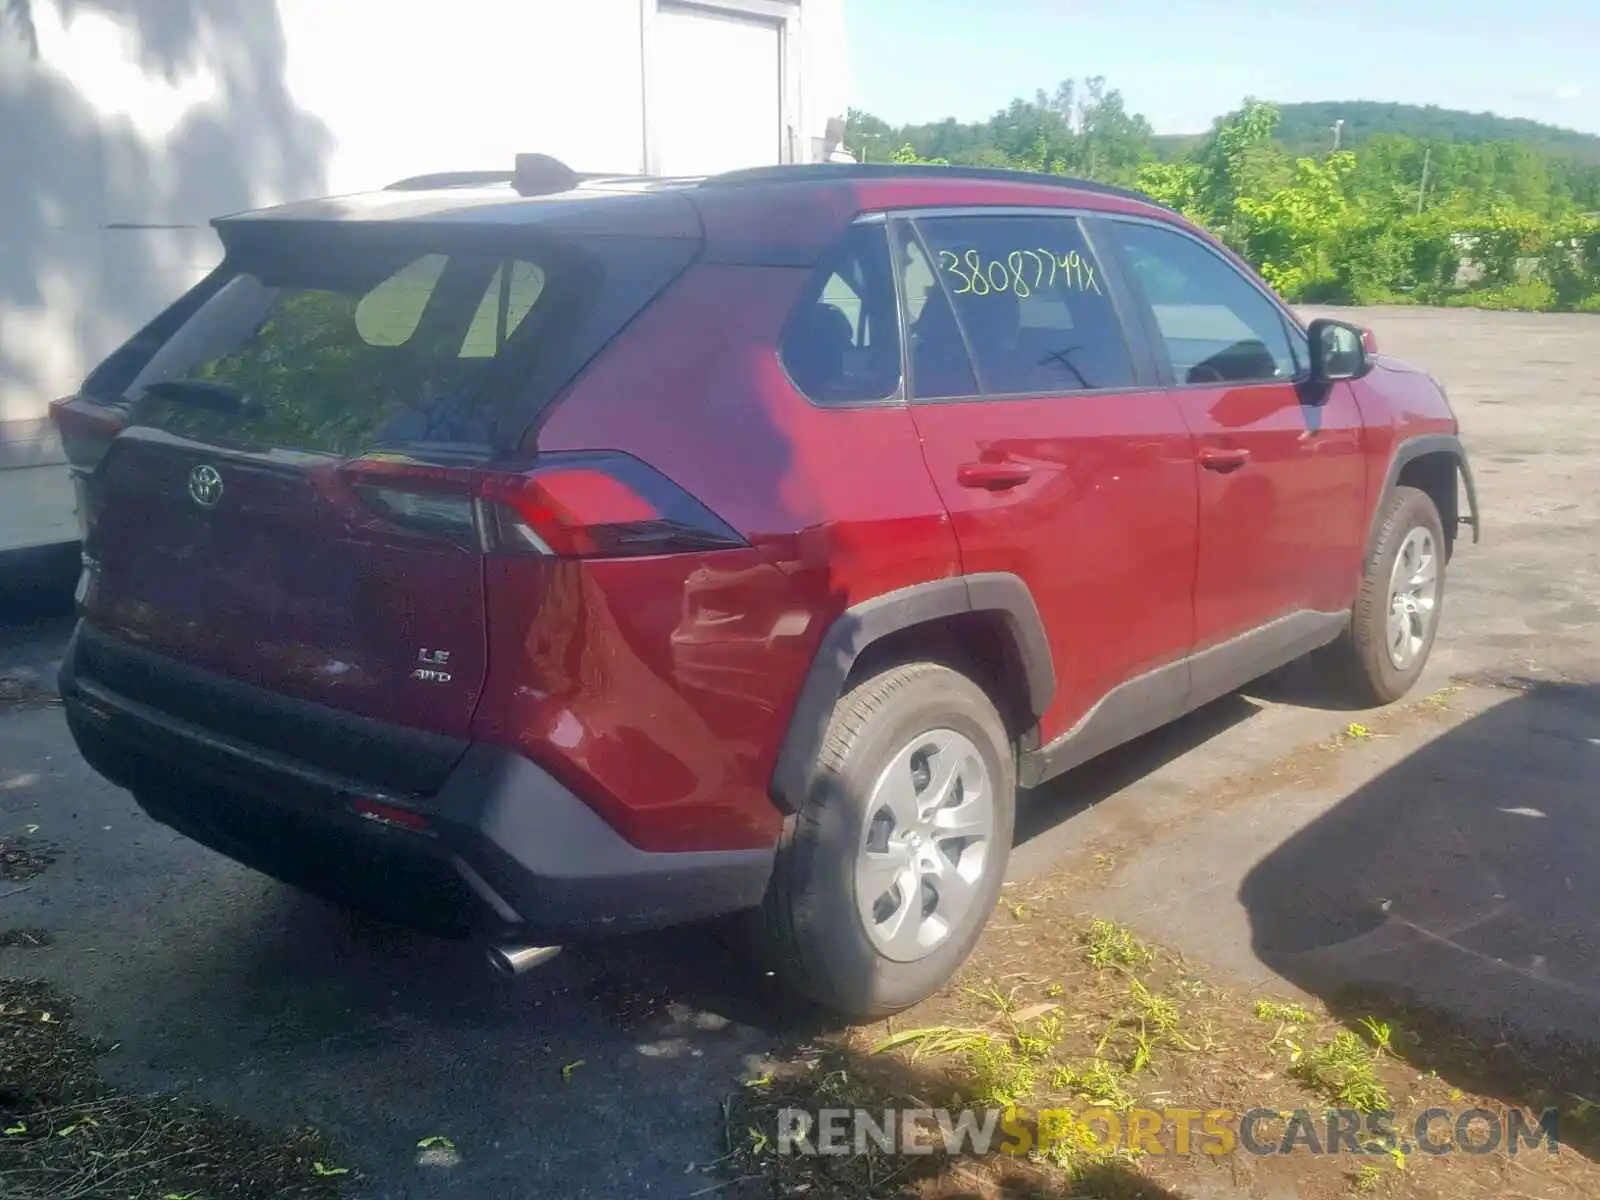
(1359,662)
(811,932)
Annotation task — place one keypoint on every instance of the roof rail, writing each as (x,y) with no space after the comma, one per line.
(838,172)
(448,179)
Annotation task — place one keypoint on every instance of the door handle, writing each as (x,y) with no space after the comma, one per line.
(1215,458)
(993,476)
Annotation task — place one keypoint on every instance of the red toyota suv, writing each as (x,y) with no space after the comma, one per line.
(532,556)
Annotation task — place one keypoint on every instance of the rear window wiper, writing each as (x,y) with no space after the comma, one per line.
(205,393)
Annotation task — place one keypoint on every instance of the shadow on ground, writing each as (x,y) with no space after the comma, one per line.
(1302,683)
(1456,893)
(1079,790)
(641,1034)
(1307,684)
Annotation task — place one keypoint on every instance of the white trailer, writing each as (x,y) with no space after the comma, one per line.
(124,128)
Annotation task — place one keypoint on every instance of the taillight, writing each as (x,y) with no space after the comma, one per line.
(86,428)
(583,505)
(423,497)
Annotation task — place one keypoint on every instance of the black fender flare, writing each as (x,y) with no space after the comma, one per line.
(1413,448)
(858,627)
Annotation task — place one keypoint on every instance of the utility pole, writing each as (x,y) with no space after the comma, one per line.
(1422,192)
(1338,134)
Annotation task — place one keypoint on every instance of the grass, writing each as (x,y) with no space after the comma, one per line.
(1369,1178)
(1343,1070)
(1157,1013)
(1107,945)
(1084,1016)
(938,1039)
(999,1075)
(1283,1014)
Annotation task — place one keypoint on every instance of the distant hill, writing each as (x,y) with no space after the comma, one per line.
(1308,129)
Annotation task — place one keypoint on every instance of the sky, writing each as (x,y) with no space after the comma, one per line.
(1183,62)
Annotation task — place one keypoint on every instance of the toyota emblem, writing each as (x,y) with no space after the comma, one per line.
(205,486)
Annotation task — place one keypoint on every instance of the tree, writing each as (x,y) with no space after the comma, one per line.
(1241,159)
(869,137)
(1291,233)
(907,156)
(1083,130)
(1111,142)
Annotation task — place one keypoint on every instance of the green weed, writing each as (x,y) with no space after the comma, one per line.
(1344,1070)
(1108,945)
(1283,1014)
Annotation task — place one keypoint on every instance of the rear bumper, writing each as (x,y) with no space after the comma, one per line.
(507,851)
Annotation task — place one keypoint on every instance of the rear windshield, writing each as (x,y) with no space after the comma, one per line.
(332,342)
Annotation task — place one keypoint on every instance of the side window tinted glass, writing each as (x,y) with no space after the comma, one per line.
(1033,302)
(1217,326)
(842,345)
(940,366)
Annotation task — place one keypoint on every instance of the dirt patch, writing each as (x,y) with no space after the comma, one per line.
(66,1135)
(1061,1022)
(22,858)
(22,689)
(24,939)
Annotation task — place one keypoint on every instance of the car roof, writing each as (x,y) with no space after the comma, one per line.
(781,215)
(469,198)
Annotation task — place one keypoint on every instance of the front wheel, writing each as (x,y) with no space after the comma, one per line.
(888,874)
(1396,613)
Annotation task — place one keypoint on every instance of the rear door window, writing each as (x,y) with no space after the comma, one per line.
(940,366)
(343,344)
(842,344)
(1032,301)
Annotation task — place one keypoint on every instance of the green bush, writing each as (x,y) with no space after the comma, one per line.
(1533,296)
(1570,260)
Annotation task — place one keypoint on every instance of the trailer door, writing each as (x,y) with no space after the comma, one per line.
(716,87)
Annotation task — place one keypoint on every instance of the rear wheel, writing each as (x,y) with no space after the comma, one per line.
(887,875)
(1396,613)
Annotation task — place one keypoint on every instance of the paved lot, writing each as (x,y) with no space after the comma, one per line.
(1457,854)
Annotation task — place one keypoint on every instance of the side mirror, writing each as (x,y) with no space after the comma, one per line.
(1339,351)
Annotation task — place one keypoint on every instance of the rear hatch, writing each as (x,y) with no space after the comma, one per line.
(293,493)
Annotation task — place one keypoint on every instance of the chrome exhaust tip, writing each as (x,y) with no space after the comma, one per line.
(517,960)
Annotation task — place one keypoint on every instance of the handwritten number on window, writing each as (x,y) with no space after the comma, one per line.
(980,278)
